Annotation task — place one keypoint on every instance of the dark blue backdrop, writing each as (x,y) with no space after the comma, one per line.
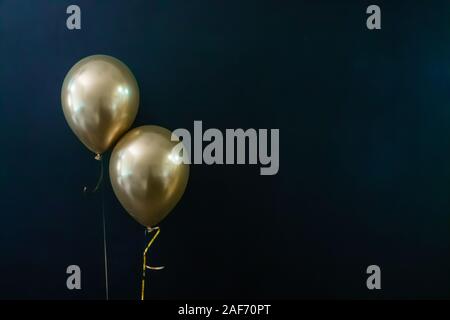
(364,121)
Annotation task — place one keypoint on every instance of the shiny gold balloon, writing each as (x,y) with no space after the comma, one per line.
(147,175)
(100,99)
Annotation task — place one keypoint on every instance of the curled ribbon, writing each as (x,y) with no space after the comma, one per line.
(144,263)
(98,157)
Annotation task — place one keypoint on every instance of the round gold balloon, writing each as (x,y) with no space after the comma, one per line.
(147,175)
(100,99)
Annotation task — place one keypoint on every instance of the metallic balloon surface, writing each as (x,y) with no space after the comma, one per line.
(100,99)
(147,175)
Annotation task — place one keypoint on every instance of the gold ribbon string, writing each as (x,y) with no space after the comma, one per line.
(144,263)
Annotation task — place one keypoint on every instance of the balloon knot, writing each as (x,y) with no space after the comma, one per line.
(98,157)
(151,229)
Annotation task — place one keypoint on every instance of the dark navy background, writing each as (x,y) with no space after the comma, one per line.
(364,119)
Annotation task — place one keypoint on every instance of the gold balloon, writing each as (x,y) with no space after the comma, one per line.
(100,99)
(147,175)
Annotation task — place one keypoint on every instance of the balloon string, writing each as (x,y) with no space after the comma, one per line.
(104,239)
(144,264)
(98,157)
(99,183)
